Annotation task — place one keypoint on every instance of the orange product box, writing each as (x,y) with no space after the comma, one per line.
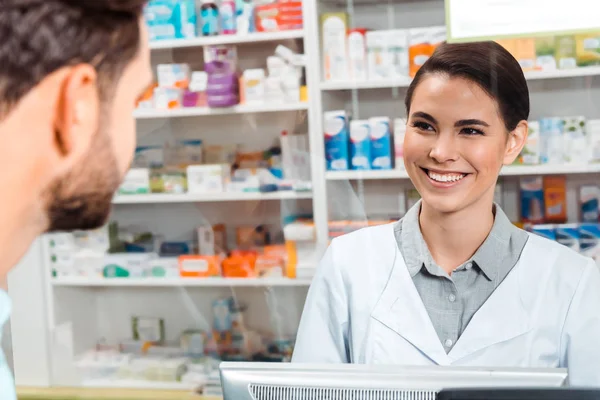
(278,16)
(240,265)
(555,198)
(195,266)
(419,49)
(525,53)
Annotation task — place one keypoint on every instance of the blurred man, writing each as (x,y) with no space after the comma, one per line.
(70,74)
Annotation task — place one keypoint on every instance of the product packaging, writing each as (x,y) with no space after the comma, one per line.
(278,16)
(253,86)
(360,145)
(173,76)
(530,155)
(195,96)
(555,198)
(147,329)
(212,240)
(576,146)
(525,53)
(587,49)
(126,265)
(545,53)
(209,13)
(197,266)
(207,178)
(228,17)
(137,181)
(532,199)
(335,58)
(149,157)
(589,201)
(589,240)
(568,235)
(336,140)
(170,19)
(397,47)
(379,58)
(382,149)
(566,53)
(399,133)
(420,48)
(547,231)
(167,99)
(593,127)
(551,141)
(163,267)
(357,54)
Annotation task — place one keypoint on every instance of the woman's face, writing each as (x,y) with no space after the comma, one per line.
(456,143)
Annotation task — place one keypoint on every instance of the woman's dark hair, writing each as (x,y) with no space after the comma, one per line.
(488,65)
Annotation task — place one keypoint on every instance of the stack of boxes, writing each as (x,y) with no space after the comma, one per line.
(362,144)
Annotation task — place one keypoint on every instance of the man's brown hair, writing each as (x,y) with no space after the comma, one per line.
(38,37)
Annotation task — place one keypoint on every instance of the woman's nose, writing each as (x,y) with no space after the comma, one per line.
(444,148)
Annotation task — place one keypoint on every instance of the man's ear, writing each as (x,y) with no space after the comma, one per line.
(77,110)
(516,140)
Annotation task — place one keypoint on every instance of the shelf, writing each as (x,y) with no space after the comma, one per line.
(137,384)
(206,111)
(533,75)
(156,198)
(177,282)
(227,39)
(523,170)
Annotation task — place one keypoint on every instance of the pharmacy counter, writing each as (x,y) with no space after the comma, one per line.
(26,393)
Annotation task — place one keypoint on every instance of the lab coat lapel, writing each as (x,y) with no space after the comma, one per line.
(401,309)
(500,318)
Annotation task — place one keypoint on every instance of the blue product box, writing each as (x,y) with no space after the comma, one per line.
(551,141)
(547,230)
(336,140)
(170,19)
(532,199)
(382,150)
(589,196)
(589,240)
(360,145)
(568,235)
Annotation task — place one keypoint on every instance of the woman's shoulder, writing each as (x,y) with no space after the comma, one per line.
(555,258)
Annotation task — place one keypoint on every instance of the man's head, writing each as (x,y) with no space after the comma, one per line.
(70,74)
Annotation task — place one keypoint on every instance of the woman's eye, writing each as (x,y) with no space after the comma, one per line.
(471,131)
(424,126)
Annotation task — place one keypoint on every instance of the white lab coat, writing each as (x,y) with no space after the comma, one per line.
(363,307)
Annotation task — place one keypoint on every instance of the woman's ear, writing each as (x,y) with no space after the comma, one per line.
(516,140)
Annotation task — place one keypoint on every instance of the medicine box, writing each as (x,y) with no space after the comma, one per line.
(551,141)
(555,198)
(568,235)
(530,154)
(589,201)
(207,178)
(360,145)
(137,181)
(576,147)
(379,58)
(397,46)
(173,76)
(382,149)
(532,199)
(335,55)
(336,140)
(170,19)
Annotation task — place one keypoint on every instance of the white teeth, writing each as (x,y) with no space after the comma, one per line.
(445,177)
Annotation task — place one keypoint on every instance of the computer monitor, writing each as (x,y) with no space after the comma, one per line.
(519,394)
(282,381)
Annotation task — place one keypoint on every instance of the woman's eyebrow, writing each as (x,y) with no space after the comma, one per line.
(425,116)
(467,122)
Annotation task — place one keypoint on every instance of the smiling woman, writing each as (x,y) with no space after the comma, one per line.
(454,282)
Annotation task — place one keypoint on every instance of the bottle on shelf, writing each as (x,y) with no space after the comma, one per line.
(228,17)
(209,14)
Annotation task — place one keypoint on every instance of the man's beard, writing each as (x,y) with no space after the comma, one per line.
(81,199)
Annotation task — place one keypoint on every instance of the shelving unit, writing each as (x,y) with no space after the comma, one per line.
(157,198)
(258,37)
(61,316)
(403,83)
(205,111)
(178,282)
(516,170)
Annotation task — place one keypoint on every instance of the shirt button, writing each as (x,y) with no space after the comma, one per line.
(452,298)
(448,343)
(469,265)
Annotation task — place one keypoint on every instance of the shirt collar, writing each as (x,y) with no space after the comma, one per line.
(486,258)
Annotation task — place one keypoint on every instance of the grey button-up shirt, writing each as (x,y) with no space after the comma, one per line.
(451,301)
